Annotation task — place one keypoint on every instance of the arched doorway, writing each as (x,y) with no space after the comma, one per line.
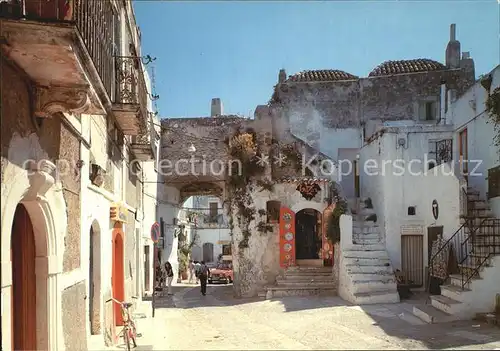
(308,237)
(24,292)
(118,272)
(95,279)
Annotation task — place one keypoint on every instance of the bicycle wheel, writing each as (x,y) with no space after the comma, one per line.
(126,339)
(133,334)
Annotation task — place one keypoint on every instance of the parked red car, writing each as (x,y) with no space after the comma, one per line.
(223,273)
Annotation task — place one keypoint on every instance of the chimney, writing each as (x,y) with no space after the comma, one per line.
(453,49)
(282,76)
(453,32)
(216,108)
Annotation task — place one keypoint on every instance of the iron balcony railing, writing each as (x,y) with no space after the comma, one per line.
(472,244)
(131,86)
(96,21)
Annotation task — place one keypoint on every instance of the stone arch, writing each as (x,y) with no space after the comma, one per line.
(44,203)
(94,287)
(301,205)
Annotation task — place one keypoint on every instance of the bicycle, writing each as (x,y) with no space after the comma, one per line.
(129,331)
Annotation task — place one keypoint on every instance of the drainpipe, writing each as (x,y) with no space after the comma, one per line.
(442,105)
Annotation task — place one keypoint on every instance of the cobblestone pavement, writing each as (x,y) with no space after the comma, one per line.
(189,321)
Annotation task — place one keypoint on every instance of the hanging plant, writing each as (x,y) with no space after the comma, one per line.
(493,108)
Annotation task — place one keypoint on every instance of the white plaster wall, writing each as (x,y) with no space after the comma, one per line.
(328,140)
(168,209)
(211,235)
(149,216)
(468,111)
(482,297)
(419,190)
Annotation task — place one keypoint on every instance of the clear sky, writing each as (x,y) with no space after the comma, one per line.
(234,50)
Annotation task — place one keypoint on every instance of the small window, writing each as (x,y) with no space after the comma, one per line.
(226,250)
(273,211)
(214,207)
(412,210)
(428,111)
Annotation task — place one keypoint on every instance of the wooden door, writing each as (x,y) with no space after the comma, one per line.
(23,282)
(412,259)
(118,275)
(463,153)
(327,246)
(287,237)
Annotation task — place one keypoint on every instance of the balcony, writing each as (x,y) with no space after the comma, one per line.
(131,97)
(65,48)
(142,147)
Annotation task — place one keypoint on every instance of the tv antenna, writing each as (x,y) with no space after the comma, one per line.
(153,88)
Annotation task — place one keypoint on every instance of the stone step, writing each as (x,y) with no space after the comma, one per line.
(307,278)
(480,204)
(376,297)
(381,254)
(275,292)
(445,304)
(431,315)
(377,247)
(366,286)
(365,230)
(383,276)
(306,275)
(456,279)
(366,241)
(369,269)
(308,269)
(454,292)
(386,277)
(302,284)
(367,261)
(479,213)
(363,211)
(363,224)
(472,191)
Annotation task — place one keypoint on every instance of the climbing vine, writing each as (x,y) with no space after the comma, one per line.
(333,223)
(493,108)
(244,148)
(263,227)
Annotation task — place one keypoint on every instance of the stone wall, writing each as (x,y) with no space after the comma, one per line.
(17,116)
(74,317)
(70,178)
(347,104)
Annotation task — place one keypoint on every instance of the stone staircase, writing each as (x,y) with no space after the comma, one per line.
(366,275)
(303,281)
(460,299)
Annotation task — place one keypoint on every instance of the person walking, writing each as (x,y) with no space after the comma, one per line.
(170,276)
(204,273)
(191,272)
(197,271)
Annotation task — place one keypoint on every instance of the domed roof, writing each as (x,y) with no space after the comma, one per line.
(406,66)
(321,75)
